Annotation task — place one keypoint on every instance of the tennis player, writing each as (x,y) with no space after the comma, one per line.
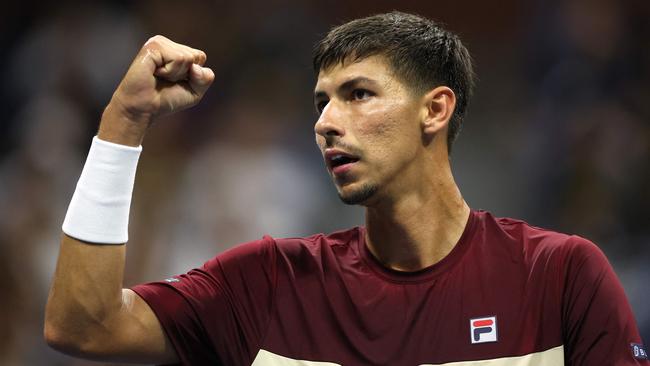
(426,281)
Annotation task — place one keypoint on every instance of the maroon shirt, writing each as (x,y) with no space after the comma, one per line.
(507,292)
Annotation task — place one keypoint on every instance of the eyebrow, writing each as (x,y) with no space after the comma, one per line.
(346,86)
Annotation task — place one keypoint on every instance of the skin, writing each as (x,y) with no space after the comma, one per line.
(88,314)
(414,211)
(416,214)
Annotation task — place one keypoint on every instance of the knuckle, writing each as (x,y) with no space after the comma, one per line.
(184,57)
(153,42)
(159,38)
(157,42)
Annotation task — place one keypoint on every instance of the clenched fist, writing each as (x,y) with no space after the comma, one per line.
(164,77)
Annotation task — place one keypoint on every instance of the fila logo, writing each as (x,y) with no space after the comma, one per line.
(483,330)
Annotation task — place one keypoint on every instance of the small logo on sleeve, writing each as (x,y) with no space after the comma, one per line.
(483,330)
(638,351)
(172,280)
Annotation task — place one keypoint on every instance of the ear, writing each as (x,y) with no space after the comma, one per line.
(438,107)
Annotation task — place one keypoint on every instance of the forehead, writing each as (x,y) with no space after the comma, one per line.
(375,68)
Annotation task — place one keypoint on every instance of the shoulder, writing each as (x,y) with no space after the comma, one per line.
(267,249)
(251,251)
(533,242)
(318,244)
(517,229)
(338,238)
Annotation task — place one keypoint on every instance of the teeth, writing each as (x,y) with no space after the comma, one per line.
(337,157)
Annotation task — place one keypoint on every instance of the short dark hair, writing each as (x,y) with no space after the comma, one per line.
(420,52)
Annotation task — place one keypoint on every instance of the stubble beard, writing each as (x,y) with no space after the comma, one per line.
(358,196)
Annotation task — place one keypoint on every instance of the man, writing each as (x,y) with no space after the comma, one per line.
(427,281)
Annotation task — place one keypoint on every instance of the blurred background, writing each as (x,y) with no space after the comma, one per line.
(558,132)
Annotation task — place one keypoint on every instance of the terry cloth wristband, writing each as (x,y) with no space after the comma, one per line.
(99,209)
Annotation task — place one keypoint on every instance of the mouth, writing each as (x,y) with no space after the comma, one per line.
(339,162)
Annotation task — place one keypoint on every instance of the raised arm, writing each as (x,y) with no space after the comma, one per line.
(88,313)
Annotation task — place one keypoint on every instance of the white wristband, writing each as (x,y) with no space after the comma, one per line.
(99,209)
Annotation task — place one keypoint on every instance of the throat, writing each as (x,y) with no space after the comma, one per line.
(413,241)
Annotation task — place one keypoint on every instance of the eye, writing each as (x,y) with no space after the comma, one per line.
(321,105)
(361,94)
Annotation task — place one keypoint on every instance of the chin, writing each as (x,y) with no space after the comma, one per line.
(358,195)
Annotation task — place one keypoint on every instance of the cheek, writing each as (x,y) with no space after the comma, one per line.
(391,129)
(382,120)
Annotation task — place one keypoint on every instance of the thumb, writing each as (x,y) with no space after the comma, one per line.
(200,78)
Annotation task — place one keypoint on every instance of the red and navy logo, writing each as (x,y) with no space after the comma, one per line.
(483,330)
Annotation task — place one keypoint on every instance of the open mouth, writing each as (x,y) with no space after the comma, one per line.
(340,163)
(340,160)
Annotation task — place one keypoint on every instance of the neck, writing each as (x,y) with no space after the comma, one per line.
(419,228)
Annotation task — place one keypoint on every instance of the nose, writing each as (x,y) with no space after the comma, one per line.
(329,122)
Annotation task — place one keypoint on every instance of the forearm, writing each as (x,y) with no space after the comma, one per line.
(122,127)
(86,294)
(88,313)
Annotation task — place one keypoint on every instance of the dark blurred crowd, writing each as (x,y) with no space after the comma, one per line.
(558,133)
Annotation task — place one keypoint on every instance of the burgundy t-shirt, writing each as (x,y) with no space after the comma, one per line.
(508,293)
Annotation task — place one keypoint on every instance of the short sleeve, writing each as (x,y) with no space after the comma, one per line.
(598,324)
(218,314)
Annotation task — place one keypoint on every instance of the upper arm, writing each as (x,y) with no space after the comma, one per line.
(89,315)
(143,335)
(132,335)
(598,322)
(216,314)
